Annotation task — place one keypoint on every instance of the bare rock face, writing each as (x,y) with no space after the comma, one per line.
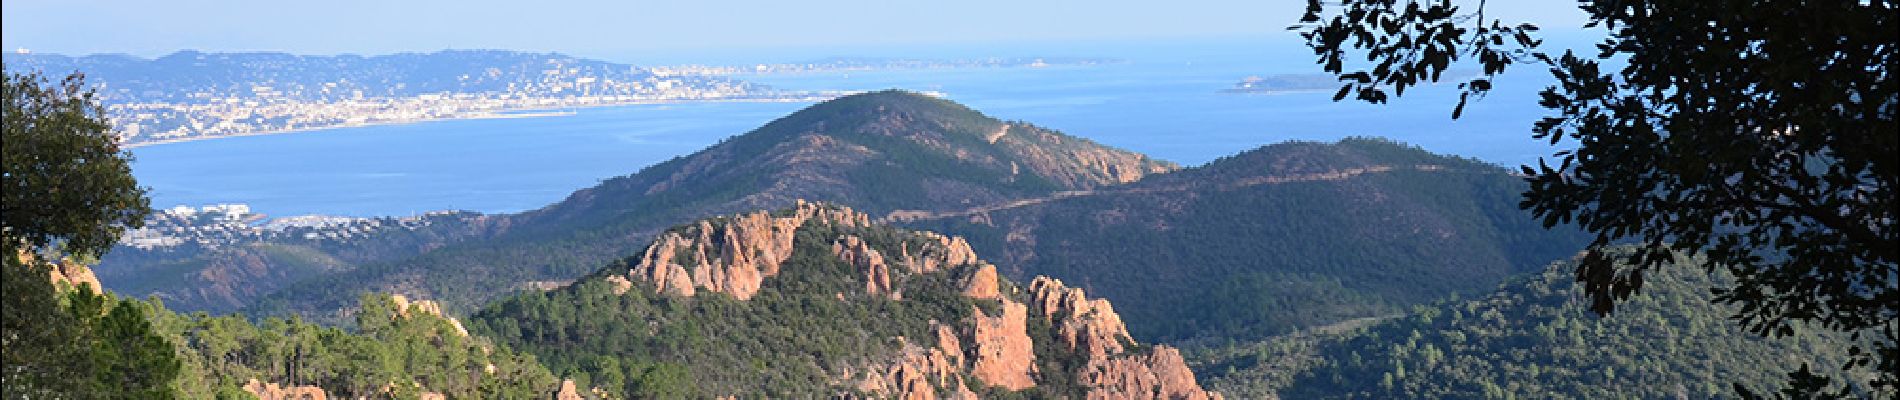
(1091,326)
(568,391)
(271,391)
(658,266)
(937,253)
(1084,324)
(877,274)
(734,255)
(620,284)
(75,275)
(1075,162)
(982,284)
(916,375)
(404,307)
(1003,355)
(65,272)
(1159,374)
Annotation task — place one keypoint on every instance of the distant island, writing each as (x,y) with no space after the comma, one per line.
(1297,83)
(1285,83)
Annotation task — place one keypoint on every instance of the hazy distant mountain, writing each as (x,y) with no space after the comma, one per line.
(192,76)
(1535,337)
(191,95)
(1286,236)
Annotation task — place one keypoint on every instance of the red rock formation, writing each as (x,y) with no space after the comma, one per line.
(620,284)
(734,256)
(938,253)
(271,391)
(982,284)
(65,272)
(75,275)
(870,262)
(1083,324)
(1003,355)
(404,307)
(568,391)
(1159,374)
(1092,327)
(916,375)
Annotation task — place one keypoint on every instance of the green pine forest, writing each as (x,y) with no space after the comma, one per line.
(131,348)
(1533,337)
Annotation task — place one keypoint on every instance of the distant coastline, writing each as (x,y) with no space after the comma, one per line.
(526,112)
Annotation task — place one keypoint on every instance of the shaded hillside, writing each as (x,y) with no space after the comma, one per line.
(1535,338)
(881,151)
(220,279)
(1286,236)
(816,301)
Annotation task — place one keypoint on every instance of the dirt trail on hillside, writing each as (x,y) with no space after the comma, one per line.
(923,215)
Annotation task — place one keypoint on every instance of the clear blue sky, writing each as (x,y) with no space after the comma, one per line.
(151,28)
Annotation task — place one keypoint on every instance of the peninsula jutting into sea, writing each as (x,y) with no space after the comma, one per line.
(190,95)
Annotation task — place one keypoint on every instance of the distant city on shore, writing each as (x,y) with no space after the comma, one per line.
(192,95)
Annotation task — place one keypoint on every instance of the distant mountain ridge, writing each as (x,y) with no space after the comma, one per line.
(877,151)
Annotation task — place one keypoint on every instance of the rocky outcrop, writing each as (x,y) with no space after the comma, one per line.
(65,272)
(870,262)
(568,391)
(731,255)
(1091,327)
(1088,325)
(1076,162)
(926,252)
(1003,355)
(982,284)
(1158,374)
(993,345)
(619,283)
(76,276)
(936,252)
(917,374)
(405,308)
(272,391)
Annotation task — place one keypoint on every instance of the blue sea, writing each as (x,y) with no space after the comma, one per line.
(1165,101)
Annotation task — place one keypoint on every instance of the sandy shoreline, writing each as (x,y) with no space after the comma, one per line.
(530,112)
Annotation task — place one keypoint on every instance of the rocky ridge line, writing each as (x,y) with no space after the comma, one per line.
(734,254)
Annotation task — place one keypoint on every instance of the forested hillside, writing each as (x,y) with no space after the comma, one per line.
(1275,239)
(1534,338)
(879,151)
(816,302)
(79,342)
